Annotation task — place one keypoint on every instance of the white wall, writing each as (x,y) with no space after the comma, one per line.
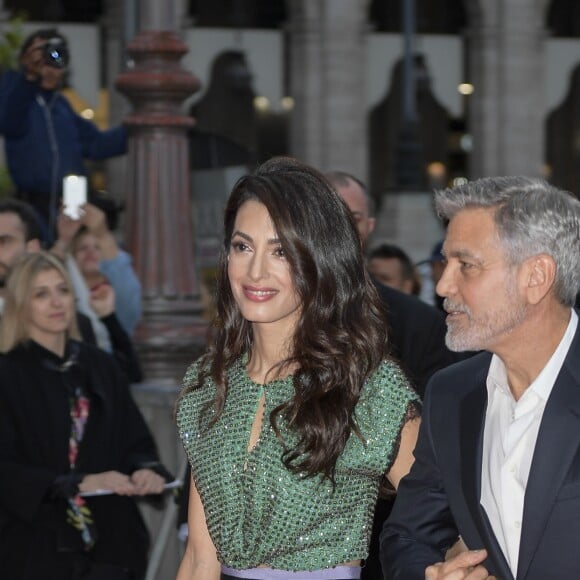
(443,55)
(443,58)
(265,54)
(562,55)
(264,50)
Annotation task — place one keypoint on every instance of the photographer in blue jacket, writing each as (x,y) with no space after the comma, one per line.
(44,138)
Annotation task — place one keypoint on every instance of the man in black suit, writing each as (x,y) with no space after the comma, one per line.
(416,336)
(497,461)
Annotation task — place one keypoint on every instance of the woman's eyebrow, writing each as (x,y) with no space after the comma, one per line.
(271,241)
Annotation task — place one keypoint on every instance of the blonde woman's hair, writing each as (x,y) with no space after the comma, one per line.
(14,326)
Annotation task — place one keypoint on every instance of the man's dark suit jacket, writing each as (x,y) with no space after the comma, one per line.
(417,336)
(440,498)
(417,341)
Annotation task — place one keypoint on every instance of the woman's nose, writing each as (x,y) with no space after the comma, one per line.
(56,299)
(258,268)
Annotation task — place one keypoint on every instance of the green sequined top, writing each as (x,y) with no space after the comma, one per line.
(257,511)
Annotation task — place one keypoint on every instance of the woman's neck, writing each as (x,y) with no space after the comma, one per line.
(269,349)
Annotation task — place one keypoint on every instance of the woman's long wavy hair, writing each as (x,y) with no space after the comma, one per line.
(340,338)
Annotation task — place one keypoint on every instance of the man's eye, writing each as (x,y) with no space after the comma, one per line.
(279,251)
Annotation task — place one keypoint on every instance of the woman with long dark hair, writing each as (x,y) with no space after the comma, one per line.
(295,414)
(74,448)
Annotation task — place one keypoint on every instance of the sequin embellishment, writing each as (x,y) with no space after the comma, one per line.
(266,515)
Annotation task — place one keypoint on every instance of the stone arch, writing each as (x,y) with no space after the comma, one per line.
(385,125)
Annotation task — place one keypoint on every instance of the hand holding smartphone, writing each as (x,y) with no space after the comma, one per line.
(74,195)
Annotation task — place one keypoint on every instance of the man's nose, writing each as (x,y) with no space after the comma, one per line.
(446,284)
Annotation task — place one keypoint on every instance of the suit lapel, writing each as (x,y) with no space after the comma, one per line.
(472,421)
(473,409)
(557,444)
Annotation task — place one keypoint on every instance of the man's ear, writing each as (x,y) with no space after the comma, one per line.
(372,222)
(33,246)
(540,274)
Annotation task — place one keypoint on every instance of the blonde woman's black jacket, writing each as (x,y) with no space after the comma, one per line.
(35,425)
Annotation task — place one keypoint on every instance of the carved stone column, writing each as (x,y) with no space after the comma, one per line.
(506,115)
(159,224)
(328,83)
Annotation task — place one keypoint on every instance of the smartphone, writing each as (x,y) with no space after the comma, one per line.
(74,195)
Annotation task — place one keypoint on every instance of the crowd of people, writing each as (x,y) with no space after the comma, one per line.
(75,451)
(337,426)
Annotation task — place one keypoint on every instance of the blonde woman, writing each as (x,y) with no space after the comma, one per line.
(68,429)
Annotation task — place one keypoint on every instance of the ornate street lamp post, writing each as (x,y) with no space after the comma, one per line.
(408,167)
(159,224)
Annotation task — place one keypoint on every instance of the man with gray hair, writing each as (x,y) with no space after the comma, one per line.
(497,462)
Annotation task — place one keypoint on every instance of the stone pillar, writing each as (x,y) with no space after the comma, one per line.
(328,83)
(506,112)
(159,222)
(114,61)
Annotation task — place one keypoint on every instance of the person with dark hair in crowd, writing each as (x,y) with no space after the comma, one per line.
(45,140)
(74,448)
(417,330)
(19,235)
(96,263)
(436,262)
(390,265)
(497,459)
(296,413)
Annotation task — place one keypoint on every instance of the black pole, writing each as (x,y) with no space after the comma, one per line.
(409,172)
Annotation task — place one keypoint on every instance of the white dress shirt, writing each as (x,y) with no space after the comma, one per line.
(511,430)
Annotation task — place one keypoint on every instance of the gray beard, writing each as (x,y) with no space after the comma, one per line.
(478,338)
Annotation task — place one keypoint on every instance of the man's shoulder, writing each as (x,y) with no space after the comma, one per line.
(12,77)
(401,304)
(471,363)
(13,82)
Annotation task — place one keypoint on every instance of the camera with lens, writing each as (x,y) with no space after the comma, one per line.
(55,53)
